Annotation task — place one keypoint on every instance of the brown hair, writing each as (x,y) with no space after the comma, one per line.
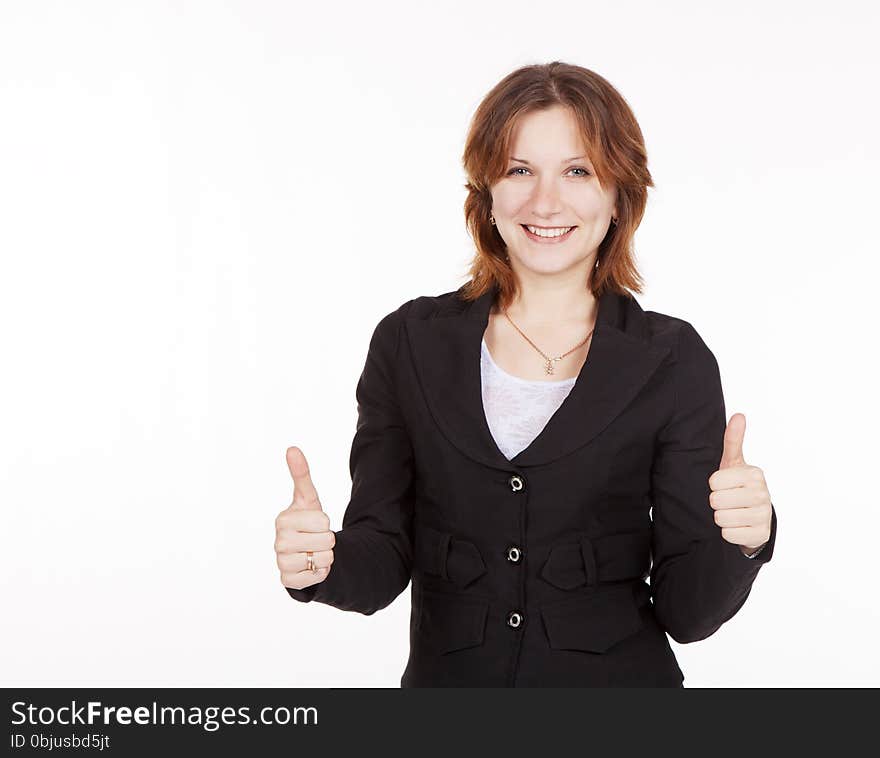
(615,146)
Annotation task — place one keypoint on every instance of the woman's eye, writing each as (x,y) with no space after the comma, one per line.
(513,171)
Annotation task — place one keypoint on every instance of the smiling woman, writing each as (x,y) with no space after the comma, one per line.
(554,147)
(529,502)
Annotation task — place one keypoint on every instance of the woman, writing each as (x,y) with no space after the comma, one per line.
(532,447)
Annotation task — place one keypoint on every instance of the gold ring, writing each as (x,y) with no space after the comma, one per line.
(310,562)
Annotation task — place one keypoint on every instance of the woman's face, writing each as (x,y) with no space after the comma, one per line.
(551,187)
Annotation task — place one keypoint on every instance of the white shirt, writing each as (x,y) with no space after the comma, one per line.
(517,409)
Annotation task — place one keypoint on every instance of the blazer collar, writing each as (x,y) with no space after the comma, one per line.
(446,352)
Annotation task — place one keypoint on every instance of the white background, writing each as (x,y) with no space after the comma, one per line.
(205,209)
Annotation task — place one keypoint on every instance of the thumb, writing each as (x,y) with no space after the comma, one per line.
(305,496)
(733,442)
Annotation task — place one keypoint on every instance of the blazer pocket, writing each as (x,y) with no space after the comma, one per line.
(450,558)
(451,622)
(592,623)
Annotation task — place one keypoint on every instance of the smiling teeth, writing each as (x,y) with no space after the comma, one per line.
(557,232)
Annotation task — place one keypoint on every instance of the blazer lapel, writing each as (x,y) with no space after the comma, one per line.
(446,353)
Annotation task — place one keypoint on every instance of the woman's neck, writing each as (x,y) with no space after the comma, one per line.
(553,303)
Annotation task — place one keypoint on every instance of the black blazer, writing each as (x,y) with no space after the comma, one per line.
(532,571)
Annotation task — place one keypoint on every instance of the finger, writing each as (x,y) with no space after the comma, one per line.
(299,542)
(736,477)
(736,517)
(300,580)
(303,521)
(305,495)
(743,535)
(732,455)
(293,562)
(740,497)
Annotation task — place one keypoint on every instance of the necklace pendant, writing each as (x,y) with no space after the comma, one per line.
(549,367)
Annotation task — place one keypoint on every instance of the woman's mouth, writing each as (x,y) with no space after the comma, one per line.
(552,236)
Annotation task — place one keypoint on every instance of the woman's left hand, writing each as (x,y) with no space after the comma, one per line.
(739,493)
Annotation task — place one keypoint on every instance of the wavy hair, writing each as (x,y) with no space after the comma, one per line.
(614,144)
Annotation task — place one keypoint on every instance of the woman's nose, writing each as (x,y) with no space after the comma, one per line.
(546,199)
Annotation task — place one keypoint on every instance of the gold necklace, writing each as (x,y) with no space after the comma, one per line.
(548,366)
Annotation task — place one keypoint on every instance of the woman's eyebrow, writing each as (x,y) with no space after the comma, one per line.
(568,160)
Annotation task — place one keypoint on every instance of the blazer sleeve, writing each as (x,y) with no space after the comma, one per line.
(699,580)
(372,559)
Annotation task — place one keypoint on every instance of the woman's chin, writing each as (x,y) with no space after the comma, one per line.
(547,264)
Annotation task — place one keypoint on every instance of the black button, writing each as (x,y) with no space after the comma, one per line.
(514,554)
(515,619)
(516,482)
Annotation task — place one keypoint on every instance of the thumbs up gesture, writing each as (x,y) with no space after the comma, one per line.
(303,539)
(739,493)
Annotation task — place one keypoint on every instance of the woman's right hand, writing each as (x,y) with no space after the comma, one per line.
(301,527)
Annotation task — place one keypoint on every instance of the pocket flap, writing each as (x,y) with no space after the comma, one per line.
(590,561)
(451,558)
(452,622)
(570,565)
(592,622)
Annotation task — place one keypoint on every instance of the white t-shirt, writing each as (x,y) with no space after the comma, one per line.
(517,409)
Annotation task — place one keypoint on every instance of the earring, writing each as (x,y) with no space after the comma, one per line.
(492,218)
(614,221)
